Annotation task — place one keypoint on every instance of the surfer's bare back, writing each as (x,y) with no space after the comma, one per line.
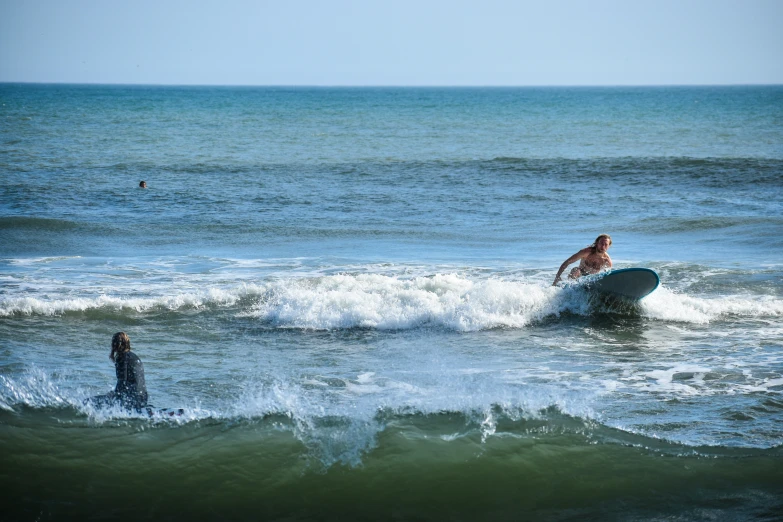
(593,259)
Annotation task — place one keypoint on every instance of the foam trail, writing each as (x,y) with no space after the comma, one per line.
(665,305)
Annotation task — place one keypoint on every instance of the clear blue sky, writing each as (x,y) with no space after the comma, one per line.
(396,42)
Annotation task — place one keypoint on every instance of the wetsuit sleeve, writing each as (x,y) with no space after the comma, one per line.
(121,369)
(141,385)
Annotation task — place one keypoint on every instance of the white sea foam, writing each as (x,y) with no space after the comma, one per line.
(695,379)
(33,388)
(59,306)
(691,383)
(40,260)
(387,302)
(665,305)
(466,304)
(383,302)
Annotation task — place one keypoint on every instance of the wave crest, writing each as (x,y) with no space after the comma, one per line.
(389,302)
(666,305)
(383,302)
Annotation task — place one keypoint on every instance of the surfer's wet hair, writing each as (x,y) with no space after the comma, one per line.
(120,342)
(594,246)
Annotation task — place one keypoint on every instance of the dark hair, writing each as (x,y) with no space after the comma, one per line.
(120,342)
(594,246)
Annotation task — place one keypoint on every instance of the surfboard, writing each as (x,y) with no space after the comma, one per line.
(108,401)
(627,283)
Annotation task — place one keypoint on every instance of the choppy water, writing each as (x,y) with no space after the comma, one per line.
(348,293)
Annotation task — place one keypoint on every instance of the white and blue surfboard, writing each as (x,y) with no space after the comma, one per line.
(626,283)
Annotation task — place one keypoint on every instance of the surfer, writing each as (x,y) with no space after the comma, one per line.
(131,390)
(593,259)
(142,184)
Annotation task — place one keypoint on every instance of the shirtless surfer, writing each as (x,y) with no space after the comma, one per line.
(593,259)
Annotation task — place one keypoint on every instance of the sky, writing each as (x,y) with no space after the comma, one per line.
(395,42)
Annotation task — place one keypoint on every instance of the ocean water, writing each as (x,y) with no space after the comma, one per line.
(348,293)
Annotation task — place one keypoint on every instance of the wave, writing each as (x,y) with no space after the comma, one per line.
(422,467)
(717,172)
(331,437)
(708,223)
(470,463)
(342,439)
(277,441)
(35,223)
(452,301)
(714,171)
(102,305)
(667,305)
(339,419)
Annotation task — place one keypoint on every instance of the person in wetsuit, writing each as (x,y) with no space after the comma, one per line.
(131,390)
(592,259)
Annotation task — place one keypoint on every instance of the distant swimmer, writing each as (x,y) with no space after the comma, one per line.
(142,184)
(131,390)
(593,259)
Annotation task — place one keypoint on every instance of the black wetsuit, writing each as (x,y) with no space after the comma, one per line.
(131,390)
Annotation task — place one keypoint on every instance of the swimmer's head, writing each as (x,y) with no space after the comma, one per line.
(120,342)
(142,184)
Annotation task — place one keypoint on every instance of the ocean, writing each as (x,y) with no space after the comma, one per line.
(348,293)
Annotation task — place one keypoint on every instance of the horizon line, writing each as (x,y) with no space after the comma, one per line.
(388,86)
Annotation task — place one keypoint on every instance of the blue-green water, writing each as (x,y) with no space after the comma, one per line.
(348,292)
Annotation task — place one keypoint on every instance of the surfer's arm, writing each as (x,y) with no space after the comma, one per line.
(579,255)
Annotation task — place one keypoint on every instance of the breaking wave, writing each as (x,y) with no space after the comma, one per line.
(385,302)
